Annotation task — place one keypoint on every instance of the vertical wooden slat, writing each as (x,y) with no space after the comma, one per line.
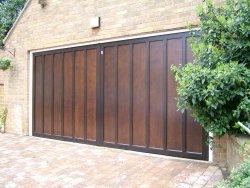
(62,110)
(156,94)
(68,98)
(123,94)
(148,94)
(48,94)
(109,94)
(79,94)
(194,134)
(165,71)
(101,126)
(193,129)
(139,94)
(58,88)
(91,94)
(73,94)
(98,96)
(116,94)
(85,95)
(131,134)
(53,95)
(174,117)
(38,94)
(43,59)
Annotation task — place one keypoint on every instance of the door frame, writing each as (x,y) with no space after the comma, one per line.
(99,46)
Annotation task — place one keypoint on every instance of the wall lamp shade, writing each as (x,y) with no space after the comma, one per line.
(43,3)
(95,22)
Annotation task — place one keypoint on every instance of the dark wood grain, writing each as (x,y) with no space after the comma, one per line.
(139,94)
(79,94)
(194,134)
(119,94)
(91,94)
(123,94)
(156,94)
(39,94)
(194,130)
(174,117)
(48,94)
(58,93)
(68,107)
(109,94)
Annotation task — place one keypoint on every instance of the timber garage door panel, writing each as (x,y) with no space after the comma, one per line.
(120,94)
(65,94)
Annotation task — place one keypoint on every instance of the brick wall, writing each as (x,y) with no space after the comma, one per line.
(2,73)
(2,94)
(2,101)
(220,151)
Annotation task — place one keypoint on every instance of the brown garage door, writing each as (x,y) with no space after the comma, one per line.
(119,94)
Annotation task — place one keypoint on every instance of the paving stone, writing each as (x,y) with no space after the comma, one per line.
(200,182)
(204,177)
(191,179)
(209,186)
(197,186)
(183,185)
(210,170)
(36,162)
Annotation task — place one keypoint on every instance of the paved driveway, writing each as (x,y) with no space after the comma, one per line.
(36,162)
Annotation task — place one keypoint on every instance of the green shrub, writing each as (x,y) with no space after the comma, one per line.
(216,86)
(3,116)
(239,177)
(9,10)
(218,97)
(225,33)
(5,63)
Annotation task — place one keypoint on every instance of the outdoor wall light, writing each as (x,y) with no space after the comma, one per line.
(43,3)
(95,22)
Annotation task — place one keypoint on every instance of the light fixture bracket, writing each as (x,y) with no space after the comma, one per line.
(43,3)
(12,51)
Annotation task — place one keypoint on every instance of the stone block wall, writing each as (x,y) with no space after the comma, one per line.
(238,150)
(230,151)
(220,151)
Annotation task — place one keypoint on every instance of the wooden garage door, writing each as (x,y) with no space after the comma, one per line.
(65,94)
(119,94)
